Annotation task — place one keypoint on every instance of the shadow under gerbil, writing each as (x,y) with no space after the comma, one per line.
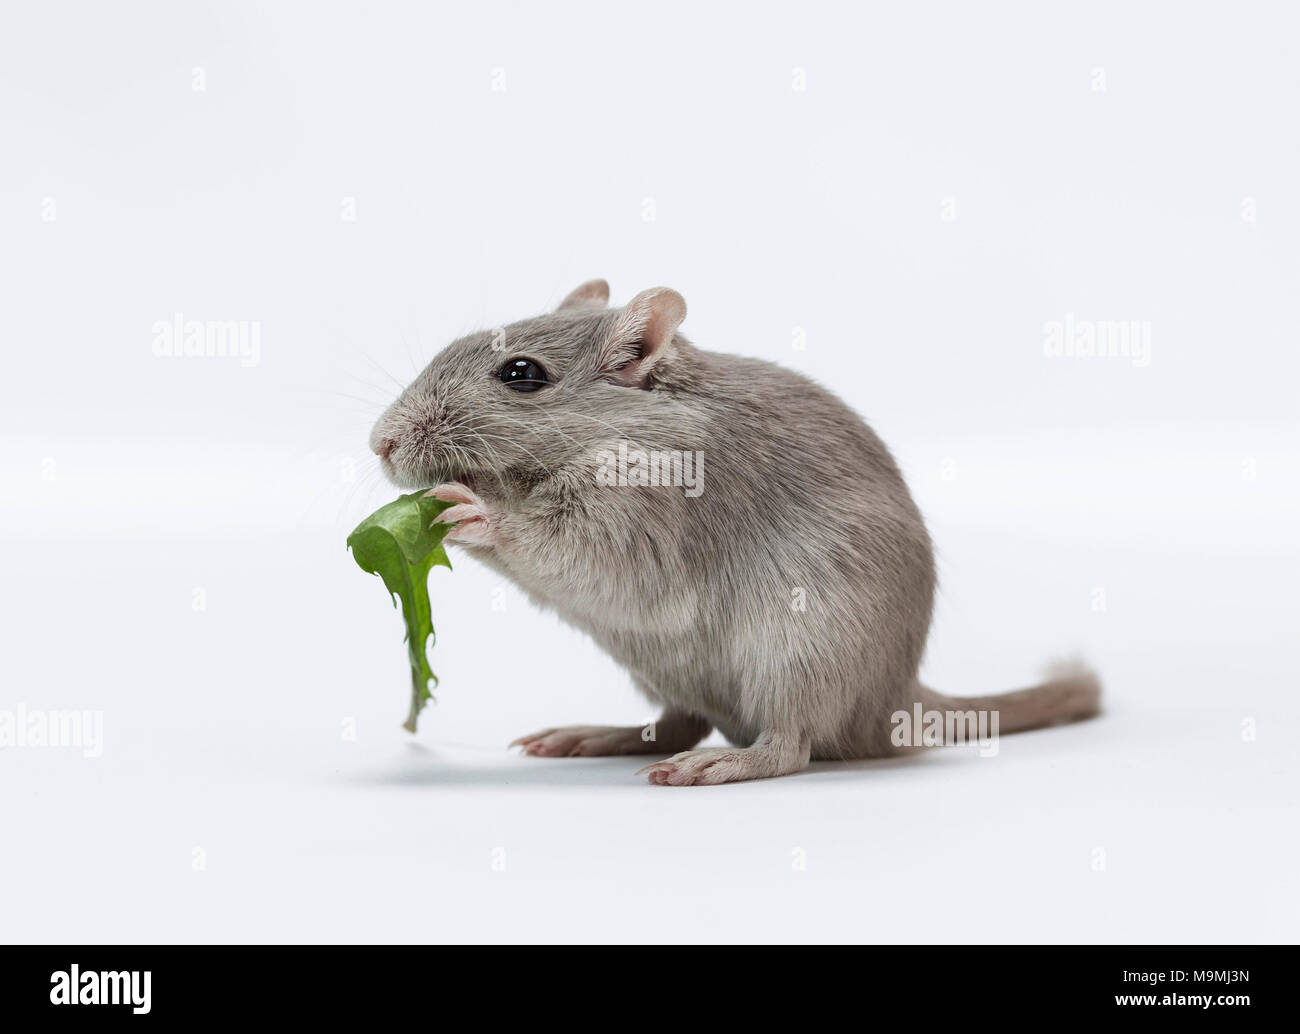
(424,766)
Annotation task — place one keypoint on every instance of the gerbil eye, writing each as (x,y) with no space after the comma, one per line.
(523,375)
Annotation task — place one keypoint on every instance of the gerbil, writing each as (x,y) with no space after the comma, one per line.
(786,604)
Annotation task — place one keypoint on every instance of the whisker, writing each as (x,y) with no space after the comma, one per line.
(518,446)
(381,369)
(558,429)
(377,406)
(621,433)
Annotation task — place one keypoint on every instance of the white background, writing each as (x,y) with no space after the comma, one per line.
(1114,161)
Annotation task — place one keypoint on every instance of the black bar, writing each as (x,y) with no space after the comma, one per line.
(607,986)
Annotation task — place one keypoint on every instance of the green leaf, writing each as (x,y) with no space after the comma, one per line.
(401,543)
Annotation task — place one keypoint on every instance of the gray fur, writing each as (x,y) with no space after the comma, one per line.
(694,596)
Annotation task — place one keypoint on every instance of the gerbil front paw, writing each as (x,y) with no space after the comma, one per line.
(471,516)
(700,768)
(712,765)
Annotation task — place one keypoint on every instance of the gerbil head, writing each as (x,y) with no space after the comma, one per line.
(506,407)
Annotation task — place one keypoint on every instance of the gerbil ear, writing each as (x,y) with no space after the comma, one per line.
(642,336)
(594,294)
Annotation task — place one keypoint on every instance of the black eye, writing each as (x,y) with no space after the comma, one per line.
(523,375)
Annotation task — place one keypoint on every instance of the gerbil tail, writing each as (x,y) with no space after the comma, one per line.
(1071,693)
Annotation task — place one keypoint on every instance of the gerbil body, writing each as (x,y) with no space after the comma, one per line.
(785,602)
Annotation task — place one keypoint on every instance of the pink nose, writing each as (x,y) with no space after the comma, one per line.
(385,448)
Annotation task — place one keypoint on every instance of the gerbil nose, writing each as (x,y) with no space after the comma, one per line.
(385,447)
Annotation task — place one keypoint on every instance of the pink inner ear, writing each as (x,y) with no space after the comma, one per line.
(648,324)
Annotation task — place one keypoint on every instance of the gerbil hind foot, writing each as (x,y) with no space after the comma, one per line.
(671,731)
(772,754)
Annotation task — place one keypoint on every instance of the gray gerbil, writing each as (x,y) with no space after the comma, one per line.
(786,603)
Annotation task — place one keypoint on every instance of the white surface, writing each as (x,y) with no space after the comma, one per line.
(131,481)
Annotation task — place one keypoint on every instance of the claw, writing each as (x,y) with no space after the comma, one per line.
(469,515)
(459,512)
(452,492)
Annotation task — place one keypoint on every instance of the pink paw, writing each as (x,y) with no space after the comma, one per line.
(470,515)
(583,741)
(706,767)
